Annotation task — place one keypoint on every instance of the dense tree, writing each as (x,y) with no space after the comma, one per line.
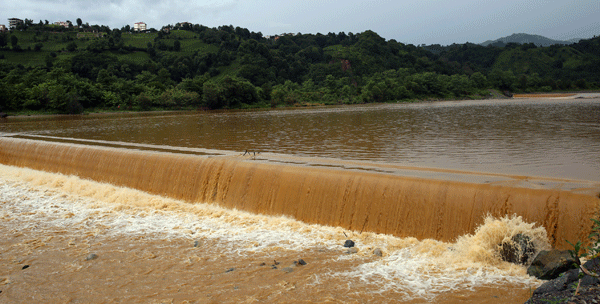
(71,47)
(3,39)
(233,67)
(14,41)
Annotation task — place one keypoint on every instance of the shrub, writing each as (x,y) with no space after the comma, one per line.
(593,250)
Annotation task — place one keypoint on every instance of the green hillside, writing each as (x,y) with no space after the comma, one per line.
(522,38)
(52,69)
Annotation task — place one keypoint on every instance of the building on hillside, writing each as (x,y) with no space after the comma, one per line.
(276,37)
(139,27)
(183,24)
(3,28)
(13,22)
(62,23)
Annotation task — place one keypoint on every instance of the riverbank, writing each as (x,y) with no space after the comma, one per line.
(573,95)
(493,94)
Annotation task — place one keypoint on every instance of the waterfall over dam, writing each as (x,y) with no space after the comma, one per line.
(359,200)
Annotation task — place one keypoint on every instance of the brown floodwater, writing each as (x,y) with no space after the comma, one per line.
(68,240)
(167,207)
(540,137)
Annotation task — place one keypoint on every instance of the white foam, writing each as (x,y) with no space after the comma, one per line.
(36,198)
(421,269)
(430,268)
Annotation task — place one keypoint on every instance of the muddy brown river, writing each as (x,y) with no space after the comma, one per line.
(180,207)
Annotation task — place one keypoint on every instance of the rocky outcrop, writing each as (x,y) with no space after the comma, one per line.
(559,284)
(549,264)
(573,286)
(518,250)
(349,243)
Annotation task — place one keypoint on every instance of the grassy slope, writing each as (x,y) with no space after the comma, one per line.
(57,43)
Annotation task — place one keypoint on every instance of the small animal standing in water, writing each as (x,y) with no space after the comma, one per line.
(253,154)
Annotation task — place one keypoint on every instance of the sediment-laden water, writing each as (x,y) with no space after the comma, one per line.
(170,208)
(536,137)
(151,248)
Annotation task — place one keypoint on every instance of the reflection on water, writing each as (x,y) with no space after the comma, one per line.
(559,138)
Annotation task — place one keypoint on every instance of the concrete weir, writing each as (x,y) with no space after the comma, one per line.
(382,198)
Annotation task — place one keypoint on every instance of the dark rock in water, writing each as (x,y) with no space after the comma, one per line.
(229,270)
(548,265)
(262,264)
(196,243)
(349,243)
(518,250)
(275,263)
(378,252)
(300,262)
(91,256)
(558,284)
(288,269)
(25,267)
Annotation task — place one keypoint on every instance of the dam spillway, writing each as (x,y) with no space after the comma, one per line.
(358,200)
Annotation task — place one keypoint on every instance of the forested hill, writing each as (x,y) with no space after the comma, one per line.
(523,38)
(68,70)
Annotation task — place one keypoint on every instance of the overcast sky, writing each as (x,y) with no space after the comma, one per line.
(408,21)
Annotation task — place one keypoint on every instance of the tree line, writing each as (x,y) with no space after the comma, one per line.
(237,68)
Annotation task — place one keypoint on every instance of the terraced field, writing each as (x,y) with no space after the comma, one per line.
(55,43)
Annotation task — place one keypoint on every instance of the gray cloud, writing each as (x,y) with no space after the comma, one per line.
(415,21)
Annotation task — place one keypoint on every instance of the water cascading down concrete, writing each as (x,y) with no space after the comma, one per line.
(360,201)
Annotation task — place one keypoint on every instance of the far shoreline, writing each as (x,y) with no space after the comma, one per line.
(107,112)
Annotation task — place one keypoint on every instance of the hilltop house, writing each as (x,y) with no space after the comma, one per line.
(62,23)
(183,24)
(139,27)
(13,22)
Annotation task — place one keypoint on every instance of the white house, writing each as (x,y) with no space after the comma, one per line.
(62,23)
(139,27)
(13,22)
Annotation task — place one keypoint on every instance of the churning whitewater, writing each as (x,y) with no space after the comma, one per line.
(47,206)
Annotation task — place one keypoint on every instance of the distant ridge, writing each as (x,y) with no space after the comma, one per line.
(523,38)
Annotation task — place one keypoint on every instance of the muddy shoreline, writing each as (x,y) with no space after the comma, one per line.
(561,95)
